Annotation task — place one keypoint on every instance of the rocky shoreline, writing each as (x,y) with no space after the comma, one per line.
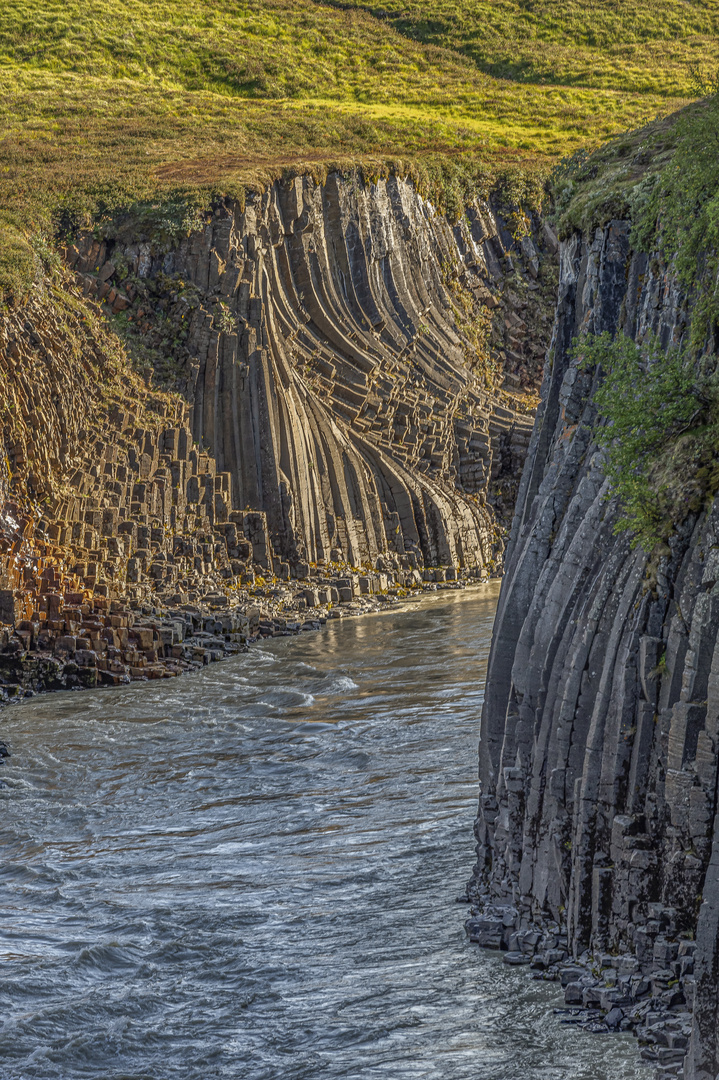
(75,642)
(649,992)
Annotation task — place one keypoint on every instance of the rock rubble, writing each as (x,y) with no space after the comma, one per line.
(644,992)
(74,642)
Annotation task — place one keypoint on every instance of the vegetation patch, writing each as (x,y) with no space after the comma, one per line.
(665,179)
(659,433)
(626,45)
(676,212)
(111,105)
(475,322)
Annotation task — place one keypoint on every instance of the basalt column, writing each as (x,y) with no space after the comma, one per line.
(329,372)
(600,729)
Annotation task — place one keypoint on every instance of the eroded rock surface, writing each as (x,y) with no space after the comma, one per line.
(597,827)
(327,347)
(329,383)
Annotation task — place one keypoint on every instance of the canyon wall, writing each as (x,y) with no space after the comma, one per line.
(321,374)
(325,338)
(600,729)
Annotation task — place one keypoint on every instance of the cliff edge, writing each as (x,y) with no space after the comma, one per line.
(598,834)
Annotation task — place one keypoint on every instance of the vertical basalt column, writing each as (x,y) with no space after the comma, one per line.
(600,729)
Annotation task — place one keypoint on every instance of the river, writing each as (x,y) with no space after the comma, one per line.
(251,872)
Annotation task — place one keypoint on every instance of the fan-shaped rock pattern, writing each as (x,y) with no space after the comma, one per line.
(328,369)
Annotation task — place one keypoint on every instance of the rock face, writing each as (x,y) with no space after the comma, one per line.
(105,491)
(327,345)
(600,729)
(329,383)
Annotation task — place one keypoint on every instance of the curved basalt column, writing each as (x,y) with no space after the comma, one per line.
(600,728)
(328,372)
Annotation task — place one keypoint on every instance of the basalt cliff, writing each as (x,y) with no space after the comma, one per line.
(597,829)
(326,383)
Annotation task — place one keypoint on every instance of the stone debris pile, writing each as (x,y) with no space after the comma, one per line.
(79,641)
(648,991)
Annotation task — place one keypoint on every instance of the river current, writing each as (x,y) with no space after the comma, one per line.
(251,873)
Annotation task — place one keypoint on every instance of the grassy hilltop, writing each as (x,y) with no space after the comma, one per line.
(103,104)
(632,46)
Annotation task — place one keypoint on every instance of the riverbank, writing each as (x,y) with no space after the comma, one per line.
(79,642)
(648,993)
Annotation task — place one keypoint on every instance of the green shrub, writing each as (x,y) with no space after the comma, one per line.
(19,263)
(665,179)
(678,218)
(660,431)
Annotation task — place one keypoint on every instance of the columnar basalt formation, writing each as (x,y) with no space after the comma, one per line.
(597,831)
(325,377)
(324,349)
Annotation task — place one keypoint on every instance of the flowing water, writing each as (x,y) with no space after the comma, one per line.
(251,872)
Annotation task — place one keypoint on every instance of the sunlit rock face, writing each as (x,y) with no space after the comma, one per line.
(331,370)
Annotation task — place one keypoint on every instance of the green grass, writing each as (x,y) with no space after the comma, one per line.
(289,47)
(634,46)
(661,413)
(107,104)
(665,177)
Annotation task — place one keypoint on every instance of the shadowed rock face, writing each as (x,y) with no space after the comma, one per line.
(329,371)
(598,755)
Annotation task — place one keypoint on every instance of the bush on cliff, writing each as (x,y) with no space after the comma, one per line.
(677,215)
(660,431)
(665,179)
